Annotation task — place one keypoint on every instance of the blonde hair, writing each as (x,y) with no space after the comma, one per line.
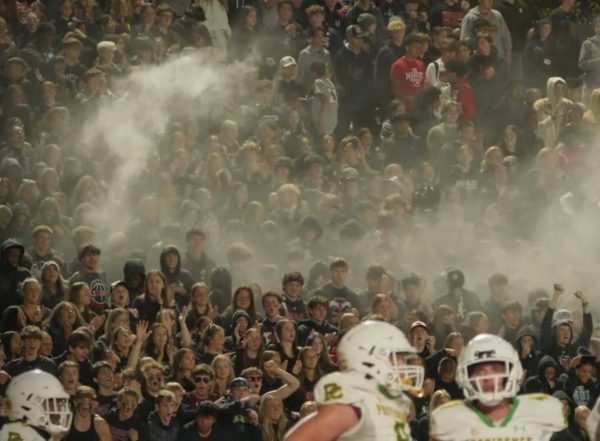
(268,430)
(396,24)
(226,359)
(174,387)
(288,187)
(580,410)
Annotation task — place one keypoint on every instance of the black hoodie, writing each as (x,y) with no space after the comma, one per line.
(11,277)
(565,434)
(531,361)
(564,354)
(130,269)
(538,383)
(177,276)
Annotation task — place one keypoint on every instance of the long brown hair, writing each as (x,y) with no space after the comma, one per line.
(165,294)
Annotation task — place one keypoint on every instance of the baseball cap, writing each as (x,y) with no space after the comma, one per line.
(70,39)
(455,278)
(366,19)
(354,31)
(287,61)
(541,303)
(561,317)
(116,284)
(419,324)
(239,382)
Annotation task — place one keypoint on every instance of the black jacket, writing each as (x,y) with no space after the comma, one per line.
(11,277)
(306,326)
(538,383)
(199,269)
(178,275)
(86,375)
(470,303)
(147,308)
(530,362)
(131,268)
(218,433)
(579,393)
(563,355)
(155,430)
(20,366)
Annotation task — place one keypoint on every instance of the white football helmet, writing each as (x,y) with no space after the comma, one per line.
(489,388)
(38,399)
(377,349)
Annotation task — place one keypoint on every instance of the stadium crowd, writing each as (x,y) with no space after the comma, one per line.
(389,159)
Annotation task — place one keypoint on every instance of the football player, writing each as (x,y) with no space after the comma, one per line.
(592,422)
(366,400)
(37,406)
(489,373)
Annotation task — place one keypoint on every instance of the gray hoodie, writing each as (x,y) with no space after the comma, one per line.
(500,34)
(552,112)
(589,61)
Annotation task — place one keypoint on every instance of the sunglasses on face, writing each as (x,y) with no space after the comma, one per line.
(202,379)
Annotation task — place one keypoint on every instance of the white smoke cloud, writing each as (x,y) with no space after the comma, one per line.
(564,247)
(193,85)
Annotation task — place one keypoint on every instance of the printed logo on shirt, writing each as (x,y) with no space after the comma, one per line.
(99,293)
(415,77)
(564,360)
(333,391)
(582,396)
(467,184)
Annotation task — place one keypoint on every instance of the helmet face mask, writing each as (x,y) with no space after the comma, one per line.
(403,377)
(38,399)
(379,350)
(57,414)
(490,381)
(489,370)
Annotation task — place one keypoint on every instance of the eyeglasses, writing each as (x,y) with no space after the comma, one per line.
(254,378)
(202,379)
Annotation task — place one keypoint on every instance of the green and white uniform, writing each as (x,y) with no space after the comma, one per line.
(19,432)
(382,418)
(533,417)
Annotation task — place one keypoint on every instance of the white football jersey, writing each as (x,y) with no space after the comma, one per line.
(533,417)
(19,432)
(593,419)
(381,418)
